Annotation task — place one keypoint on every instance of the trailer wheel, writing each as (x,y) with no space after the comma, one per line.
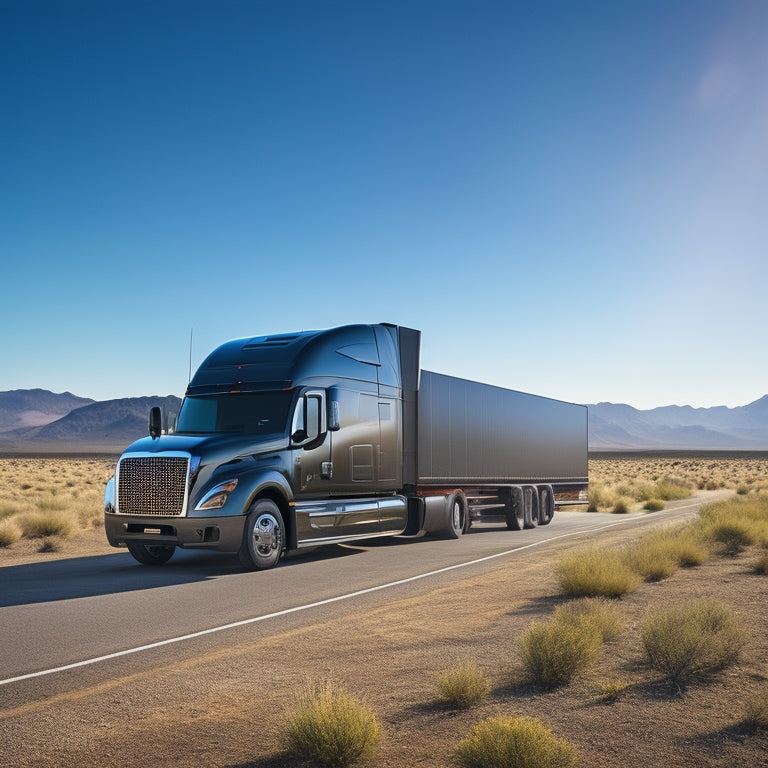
(456,507)
(530,506)
(263,536)
(151,554)
(513,512)
(546,505)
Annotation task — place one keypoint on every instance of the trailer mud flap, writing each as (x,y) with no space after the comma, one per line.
(415,516)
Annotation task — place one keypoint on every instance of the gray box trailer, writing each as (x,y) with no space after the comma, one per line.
(319,437)
(470,432)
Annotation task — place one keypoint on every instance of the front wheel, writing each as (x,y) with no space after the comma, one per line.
(263,537)
(151,554)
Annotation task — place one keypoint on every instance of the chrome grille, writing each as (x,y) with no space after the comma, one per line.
(152,485)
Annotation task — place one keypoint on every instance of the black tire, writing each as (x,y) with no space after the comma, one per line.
(530,506)
(263,536)
(151,554)
(546,504)
(513,512)
(456,509)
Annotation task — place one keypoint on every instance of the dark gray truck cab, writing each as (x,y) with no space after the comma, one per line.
(318,437)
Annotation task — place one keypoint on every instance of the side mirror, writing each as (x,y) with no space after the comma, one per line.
(155,422)
(299,436)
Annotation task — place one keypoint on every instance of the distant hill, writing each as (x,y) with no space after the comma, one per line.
(20,408)
(679,427)
(105,426)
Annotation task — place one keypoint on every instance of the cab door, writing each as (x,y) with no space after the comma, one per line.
(325,509)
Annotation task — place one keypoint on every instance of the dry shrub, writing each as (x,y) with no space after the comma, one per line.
(38,525)
(622,505)
(592,614)
(671,489)
(734,524)
(651,558)
(51,503)
(9,509)
(463,686)
(684,642)
(687,546)
(329,727)
(756,710)
(594,572)
(521,742)
(10,532)
(732,536)
(554,652)
(599,497)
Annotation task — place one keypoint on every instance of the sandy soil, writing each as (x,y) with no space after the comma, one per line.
(225,708)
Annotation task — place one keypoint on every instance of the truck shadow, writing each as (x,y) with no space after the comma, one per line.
(117,573)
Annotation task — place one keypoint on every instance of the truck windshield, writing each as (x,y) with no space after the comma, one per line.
(255,413)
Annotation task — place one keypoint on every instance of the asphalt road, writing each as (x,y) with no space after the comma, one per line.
(68,622)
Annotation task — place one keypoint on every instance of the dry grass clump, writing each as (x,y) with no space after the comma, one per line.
(10,532)
(671,489)
(659,554)
(686,545)
(622,505)
(327,726)
(695,639)
(44,497)
(598,496)
(755,715)
(734,524)
(38,525)
(520,742)
(556,651)
(592,614)
(760,566)
(596,572)
(463,686)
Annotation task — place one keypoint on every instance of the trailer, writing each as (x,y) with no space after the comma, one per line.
(319,437)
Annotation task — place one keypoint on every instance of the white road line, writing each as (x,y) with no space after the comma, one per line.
(308,606)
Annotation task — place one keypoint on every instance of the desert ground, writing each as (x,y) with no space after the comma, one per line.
(216,710)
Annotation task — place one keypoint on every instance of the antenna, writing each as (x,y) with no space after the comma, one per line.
(189,377)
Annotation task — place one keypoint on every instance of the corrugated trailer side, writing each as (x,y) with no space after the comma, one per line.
(475,434)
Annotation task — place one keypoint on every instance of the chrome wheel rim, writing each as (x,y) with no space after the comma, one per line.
(266,535)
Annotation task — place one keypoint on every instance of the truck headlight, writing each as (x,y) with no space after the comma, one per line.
(216,498)
(109,495)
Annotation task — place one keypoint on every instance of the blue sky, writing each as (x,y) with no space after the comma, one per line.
(567,198)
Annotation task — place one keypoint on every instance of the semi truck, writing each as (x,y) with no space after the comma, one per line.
(323,437)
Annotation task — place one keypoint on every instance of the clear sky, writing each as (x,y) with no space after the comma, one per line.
(567,198)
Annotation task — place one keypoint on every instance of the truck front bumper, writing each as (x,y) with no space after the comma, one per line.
(224,534)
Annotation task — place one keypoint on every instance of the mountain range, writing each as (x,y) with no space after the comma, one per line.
(39,421)
(676,427)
